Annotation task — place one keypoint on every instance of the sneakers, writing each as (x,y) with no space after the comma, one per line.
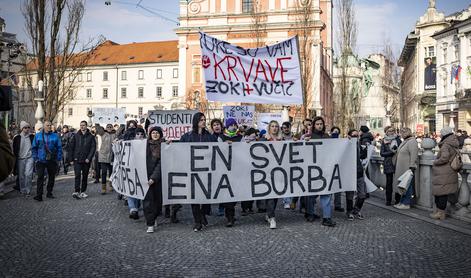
(358,215)
(328,222)
(438,215)
(350,216)
(150,229)
(197,227)
(76,195)
(272,223)
(287,206)
(134,215)
(402,206)
(83,195)
(38,198)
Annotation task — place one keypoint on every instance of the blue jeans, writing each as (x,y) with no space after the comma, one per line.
(407,196)
(326,204)
(133,204)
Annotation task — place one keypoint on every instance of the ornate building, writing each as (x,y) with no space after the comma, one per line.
(250,23)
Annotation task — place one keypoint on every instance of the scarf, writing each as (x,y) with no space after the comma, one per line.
(229,133)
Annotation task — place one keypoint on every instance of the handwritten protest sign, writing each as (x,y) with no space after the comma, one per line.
(269,74)
(263,119)
(174,123)
(129,175)
(243,114)
(104,116)
(206,173)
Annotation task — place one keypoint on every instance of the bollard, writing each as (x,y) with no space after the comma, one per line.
(424,190)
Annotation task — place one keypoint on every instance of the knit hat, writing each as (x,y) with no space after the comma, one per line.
(230,121)
(445,131)
(158,129)
(364,129)
(23,124)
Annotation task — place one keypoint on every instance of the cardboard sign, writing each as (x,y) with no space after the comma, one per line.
(243,114)
(269,74)
(104,116)
(207,173)
(174,123)
(263,119)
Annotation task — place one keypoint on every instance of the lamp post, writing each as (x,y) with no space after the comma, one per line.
(39,115)
(90,115)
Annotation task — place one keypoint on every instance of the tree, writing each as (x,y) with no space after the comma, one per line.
(390,82)
(53,28)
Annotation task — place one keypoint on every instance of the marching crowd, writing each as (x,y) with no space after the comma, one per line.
(48,150)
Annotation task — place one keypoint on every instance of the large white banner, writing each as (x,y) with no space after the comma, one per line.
(104,116)
(269,74)
(243,114)
(129,175)
(221,172)
(174,123)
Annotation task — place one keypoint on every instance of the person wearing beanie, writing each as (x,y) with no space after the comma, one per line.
(444,178)
(24,163)
(230,135)
(405,159)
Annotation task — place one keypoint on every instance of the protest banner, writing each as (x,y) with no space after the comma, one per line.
(269,74)
(174,123)
(243,114)
(104,116)
(206,173)
(129,175)
(263,119)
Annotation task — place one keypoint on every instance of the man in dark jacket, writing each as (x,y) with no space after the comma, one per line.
(22,144)
(66,137)
(318,132)
(47,153)
(82,150)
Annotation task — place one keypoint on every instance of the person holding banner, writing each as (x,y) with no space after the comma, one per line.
(318,132)
(153,199)
(273,134)
(134,203)
(82,148)
(199,133)
(230,135)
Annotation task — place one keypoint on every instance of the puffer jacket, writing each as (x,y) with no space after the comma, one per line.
(53,144)
(444,178)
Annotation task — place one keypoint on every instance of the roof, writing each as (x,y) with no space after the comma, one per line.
(409,48)
(111,53)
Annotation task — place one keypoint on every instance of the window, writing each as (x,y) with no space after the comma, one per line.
(79,77)
(89,76)
(140,75)
(105,92)
(123,75)
(89,93)
(430,51)
(139,111)
(70,112)
(196,75)
(140,92)
(123,92)
(124,108)
(105,76)
(175,91)
(159,74)
(175,73)
(247,6)
(158,92)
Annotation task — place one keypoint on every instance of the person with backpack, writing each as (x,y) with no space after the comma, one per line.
(444,177)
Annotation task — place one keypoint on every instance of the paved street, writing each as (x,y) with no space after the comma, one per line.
(94,237)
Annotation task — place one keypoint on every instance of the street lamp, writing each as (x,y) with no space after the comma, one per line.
(39,115)
(90,115)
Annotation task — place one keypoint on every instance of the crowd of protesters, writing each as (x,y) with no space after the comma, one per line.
(48,150)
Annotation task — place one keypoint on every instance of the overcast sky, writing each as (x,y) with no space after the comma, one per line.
(123,22)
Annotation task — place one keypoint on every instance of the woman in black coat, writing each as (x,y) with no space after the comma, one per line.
(388,149)
(153,199)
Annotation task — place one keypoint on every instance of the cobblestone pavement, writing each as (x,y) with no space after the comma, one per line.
(65,237)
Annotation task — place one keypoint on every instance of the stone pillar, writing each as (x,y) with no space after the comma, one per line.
(463,192)
(424,175)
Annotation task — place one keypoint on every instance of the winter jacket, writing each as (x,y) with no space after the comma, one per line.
(105,153)
(405,158)
(54,146)
(153,164)
(82,147)
(444,178)
(7,160)
(16,149)
(388,153)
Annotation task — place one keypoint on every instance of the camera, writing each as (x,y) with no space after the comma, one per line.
(6,103)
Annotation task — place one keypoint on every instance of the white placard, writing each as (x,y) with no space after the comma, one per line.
(129,175)
(269,74)
(174,123)
(104,116)
(221,172)
(243,114)
(263,119)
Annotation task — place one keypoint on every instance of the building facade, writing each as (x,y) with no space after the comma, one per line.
(249,24)
(453,106)
(137,77)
